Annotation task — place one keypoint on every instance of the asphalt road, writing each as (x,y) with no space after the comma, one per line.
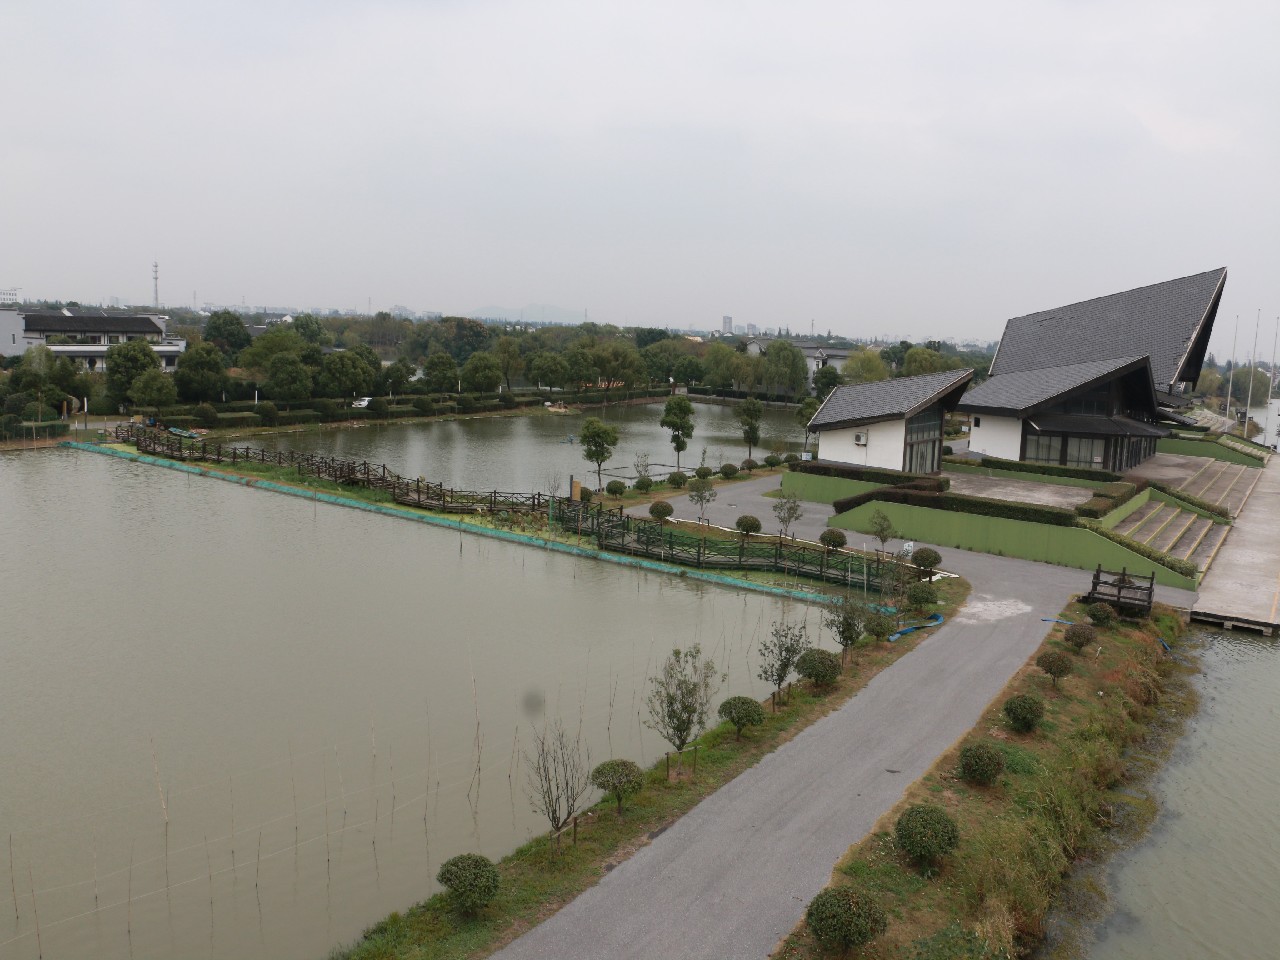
(732,877)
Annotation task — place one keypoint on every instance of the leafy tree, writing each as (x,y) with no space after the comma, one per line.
(926,833)
(780,651)
(825,380)
(880,626)
(280,339)
(895,355)
(441,372)
(921,595)
(481,373)
(749,414)
(882,528)
(741,712)
(747,525)
(845,619)
(267,412)
(367,354)
(397,375)
(344,374)
(688,369)
(153,388)
(646,336)
(226,331)
(865,366)
(201,373)
(507,352)
(125,363)
(618,777)
(677,416)
(923,360)
(833,538)
(680,696)
(660,359)
(598,440)
(702,492)
(288,378)
(581,366)
(312,330)
(549,369)
(785,368)
(844,917)
(718,366)
(558,774)
(660,510)
(472,882)
(1055,663)
(804,413)
(788,510)
(927,559)
(618,364)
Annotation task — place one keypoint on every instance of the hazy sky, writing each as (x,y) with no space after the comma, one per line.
(928,168)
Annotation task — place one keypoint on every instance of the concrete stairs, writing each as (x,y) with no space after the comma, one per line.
(1172,530)
(1226,484)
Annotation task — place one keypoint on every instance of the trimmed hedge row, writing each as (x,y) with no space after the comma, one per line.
(960,503)
(1217,509)
(890,478)
(12,428)
(1109,497)
(1183,567)
(1046,469)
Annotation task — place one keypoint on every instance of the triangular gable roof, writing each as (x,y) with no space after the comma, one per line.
(1028,390)
(58,323)
(1169,322)
(887,399)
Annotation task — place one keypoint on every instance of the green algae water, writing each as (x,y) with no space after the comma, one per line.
(243,724)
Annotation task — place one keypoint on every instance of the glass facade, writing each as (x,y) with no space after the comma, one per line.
(923,452)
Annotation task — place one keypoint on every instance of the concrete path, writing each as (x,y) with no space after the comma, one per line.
(732,877)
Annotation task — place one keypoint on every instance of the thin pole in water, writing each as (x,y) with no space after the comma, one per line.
(12,883)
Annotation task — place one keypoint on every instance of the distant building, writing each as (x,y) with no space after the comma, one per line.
(753,330)
(9,296)
(91,333)
(816,356)
(726,325)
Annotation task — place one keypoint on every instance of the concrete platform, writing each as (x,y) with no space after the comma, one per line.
(1018,491)
(1242,589)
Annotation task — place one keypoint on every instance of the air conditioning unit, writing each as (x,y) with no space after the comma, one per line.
(860,439)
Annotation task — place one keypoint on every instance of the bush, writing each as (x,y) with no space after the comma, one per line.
(206,415)
(926,833)
(927,559)
(741,712)
(1102,614)
(749,465)
(1054,663)
(832,538)
(747,524)
(472,881)
(704,473)
(981,763)
(327,409)
(1024,712)
(728,471)
(916,494)
(585,494)
(880,475)
(1079,636)
(424,405)
(39,413)
(844,917)
(946,450)
(643,484)
(819,667)
(677,479)
(614,488)
(507,400)
(618,777)
(103,407)
(773,460)
(880,626)
(379,408)
(466,404)
(267,412)
(660,510)
(791,458)
(921,595)
(1050,470)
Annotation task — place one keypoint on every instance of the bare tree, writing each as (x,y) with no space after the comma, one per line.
(559,768)
(882,528)
(788,511)
(701,492)
(680,699)
(780,651)
(846,618)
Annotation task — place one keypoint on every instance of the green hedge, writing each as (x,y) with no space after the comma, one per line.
(182,423)
(960,503)
(1109,496)
(39,431)
(1216,509)
(246,419)
(1048,470)
(849,471)
(287,417)
(1177,565)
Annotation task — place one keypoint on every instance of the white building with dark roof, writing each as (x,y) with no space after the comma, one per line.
(1094,384)
(91,334)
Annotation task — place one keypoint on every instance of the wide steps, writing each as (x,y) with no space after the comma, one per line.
(1179,524)
(1153,522)
(1203,554)
(1131,523)
(1200,528)
(1206,479)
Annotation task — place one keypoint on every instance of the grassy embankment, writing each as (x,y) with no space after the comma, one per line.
(536,881)
(1062,787)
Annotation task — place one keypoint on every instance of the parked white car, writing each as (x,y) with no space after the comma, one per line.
(362,402)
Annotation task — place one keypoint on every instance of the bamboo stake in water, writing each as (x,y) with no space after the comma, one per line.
(208,861)
(232,788)
(391,763)
(294,784)
(324,769)
(129,895)
(95,869)
(31,880)
(12,884)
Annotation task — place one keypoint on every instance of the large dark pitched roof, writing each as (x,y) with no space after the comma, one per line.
(57,323)
(868,402)
(1169,322)
(1027,389)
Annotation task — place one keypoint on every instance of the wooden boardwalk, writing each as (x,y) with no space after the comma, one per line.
(1242,589)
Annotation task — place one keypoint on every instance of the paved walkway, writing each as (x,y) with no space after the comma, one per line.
(732,877)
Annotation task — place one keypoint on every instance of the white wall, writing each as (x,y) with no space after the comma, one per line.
(12,342)
(996,436)
(885,443)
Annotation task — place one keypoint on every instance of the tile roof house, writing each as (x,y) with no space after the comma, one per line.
(894,424)
(91,334)
(1089,384)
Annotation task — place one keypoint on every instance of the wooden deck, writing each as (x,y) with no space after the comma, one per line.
(1242,589)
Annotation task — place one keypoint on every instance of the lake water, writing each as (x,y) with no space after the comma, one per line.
(242,724)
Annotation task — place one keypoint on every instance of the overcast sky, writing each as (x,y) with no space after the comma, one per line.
(927,168)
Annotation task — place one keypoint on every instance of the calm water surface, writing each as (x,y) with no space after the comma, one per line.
(241,724)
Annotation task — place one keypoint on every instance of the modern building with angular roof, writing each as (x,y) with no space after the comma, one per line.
(1090,384)
(893,424)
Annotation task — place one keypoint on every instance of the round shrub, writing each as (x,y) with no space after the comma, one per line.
(1102,614)
(507,400)
(585,494)
(267,413)
(379,408)
(206,415)
(749,464)
(704,473)
(741,712)
(772,460)
(472,881)
(947,450)
(618,777)
(926,832)
(844,917)
(728,471)
(832,538)
(643,484)
(677,479)
(1055,663)
(424,405)
(615,488)
(466,403)
(38,413)
(819,667)
(747,524)
(1079,636)
(327,409)
(921,595)
(1024,712)
(791,458)
(926,558)
(880,626)
(660,510)
(981,763)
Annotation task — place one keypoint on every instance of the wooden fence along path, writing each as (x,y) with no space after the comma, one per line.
(1124,590)
(610,528)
